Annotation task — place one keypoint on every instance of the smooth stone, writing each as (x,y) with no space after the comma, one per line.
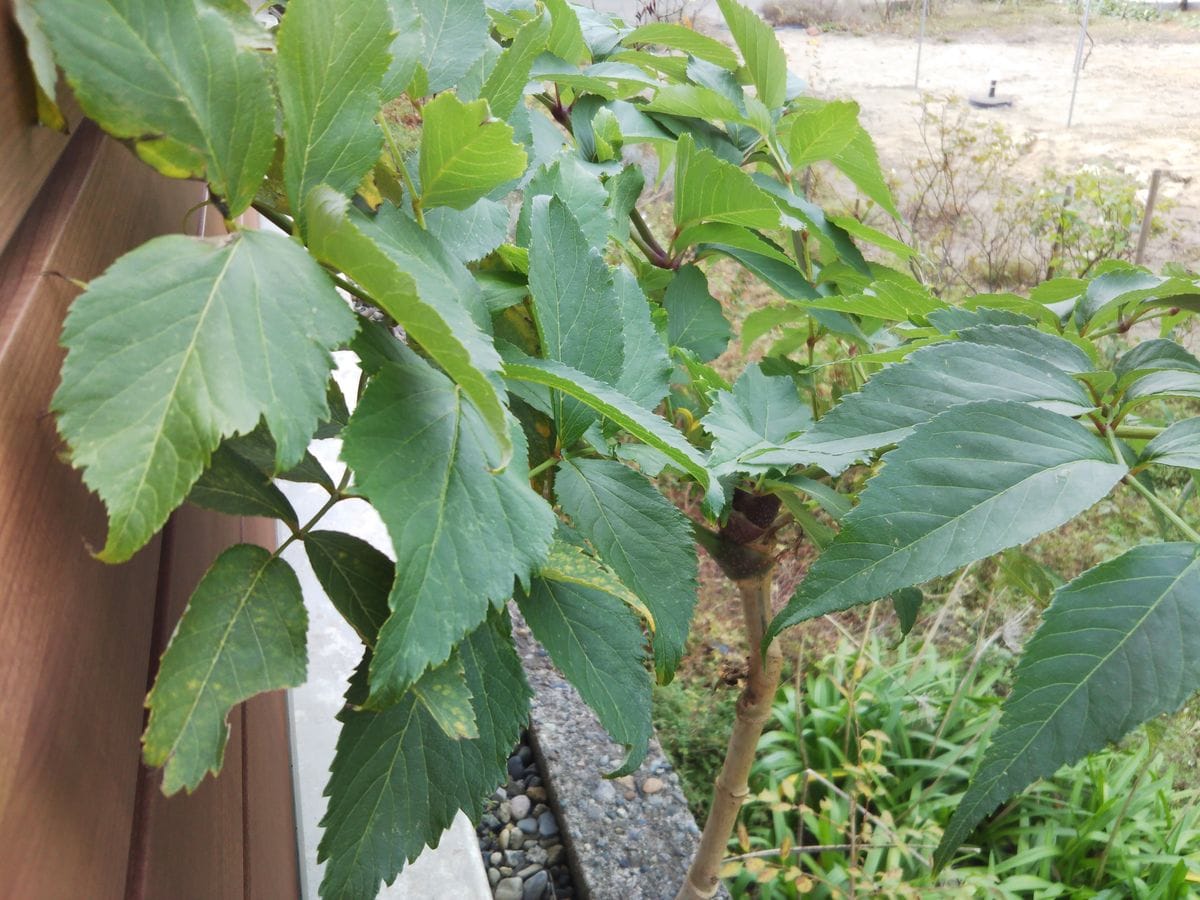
(516,767)
(494,877)
(495,858)
(516,839)
(605,792)
(534,780)
(535,887)
(539,809)
(492,823)
(515,858)
(504,812)
(510,889)
(554,855)
(506,871)
(500,794)
(504,840)
(631,795)
(519,806)
(529,826)
(536,794)
(526,755)
(652,785)
(529,870)
(546,825)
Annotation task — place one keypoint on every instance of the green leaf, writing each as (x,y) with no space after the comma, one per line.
(930,381)
(417,284)
(1167,383)
(235,486)
(566,37)
(1117,646)
(406,49)
(817,532)
(864,232)
(645,376)
(1107,293)
(356,577)
(446,696)
(694,317)
(595,641)
(213,335)
(907,603)
(584,197)
(859,162)
(835,504)
(397,780)
(642,424)
(575,306)
(709,189)
(1058,352)
(765,59)
(783,278)
(680,37)
(974,480)
(258,448)
(41,60)
(331,60)
(1178,446)
(729,235)
(426,460)
(832,234)
(465,154)
(572,565)
(822,133)
(186,81)
(694,101)
(454,33)
(954,318)
(469,234)
(1154,356)
(643,538)
(505,85)
(760,413)
(888,300)
(242,633)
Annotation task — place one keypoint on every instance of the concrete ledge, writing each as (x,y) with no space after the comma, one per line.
(627,839)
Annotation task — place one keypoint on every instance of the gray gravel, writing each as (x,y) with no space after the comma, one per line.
(630,838)
(519,837)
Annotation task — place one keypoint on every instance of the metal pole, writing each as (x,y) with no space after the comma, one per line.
(1144,233)
(921,42)
(1087,8)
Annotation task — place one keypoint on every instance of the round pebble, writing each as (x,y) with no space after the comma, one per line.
(529,826)
(510,889)
(535,887)
(652,785)
(516,767)
(546,825)
(519,806)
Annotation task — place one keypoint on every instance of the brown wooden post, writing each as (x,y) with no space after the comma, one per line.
(79,816)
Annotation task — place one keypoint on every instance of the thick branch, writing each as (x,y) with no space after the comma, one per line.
(753,709)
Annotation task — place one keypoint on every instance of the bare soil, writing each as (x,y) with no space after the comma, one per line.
(1137,107)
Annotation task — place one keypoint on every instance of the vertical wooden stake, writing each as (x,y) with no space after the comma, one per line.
(1148,216)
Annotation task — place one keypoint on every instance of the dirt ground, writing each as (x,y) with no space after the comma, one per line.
(1137,108)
